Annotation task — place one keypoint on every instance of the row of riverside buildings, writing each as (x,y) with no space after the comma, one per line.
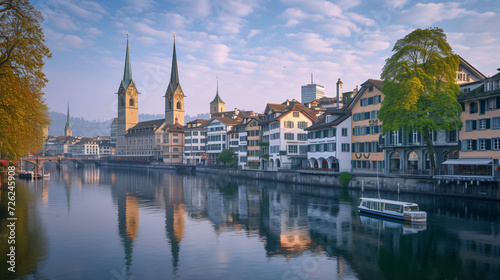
(342,133)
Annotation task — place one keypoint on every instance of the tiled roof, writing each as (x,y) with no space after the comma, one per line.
(477,93)
(338,116)
(152,126)
(174,127)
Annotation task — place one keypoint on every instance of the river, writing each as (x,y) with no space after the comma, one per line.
(100,223)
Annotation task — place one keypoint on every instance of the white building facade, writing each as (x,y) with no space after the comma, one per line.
(329,141)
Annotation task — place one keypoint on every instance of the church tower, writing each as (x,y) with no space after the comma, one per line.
(174,97)
(128,105)
(67,129)
(217,105)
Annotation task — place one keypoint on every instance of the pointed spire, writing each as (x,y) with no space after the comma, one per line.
(127,72)
(174,76)
(217,97)
(68,124)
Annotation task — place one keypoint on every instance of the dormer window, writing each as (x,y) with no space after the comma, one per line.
(328,118)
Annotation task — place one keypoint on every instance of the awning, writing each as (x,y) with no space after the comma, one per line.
(469,161)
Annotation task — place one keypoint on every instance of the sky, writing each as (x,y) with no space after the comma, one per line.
(261,51)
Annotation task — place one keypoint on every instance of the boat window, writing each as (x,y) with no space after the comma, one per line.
(413,208)
(393,207)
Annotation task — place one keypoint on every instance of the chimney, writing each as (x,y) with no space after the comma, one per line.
(339,92)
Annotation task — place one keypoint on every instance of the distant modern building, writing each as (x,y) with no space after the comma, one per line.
(114,130)
(312,91)
(67,128)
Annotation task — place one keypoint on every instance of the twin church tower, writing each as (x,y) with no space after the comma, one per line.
(128,102)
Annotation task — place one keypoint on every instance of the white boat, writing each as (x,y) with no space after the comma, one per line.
(406,211)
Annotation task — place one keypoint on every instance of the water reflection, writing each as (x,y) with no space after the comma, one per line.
(287,231)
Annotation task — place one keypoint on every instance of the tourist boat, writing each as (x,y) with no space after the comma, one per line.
(400,210)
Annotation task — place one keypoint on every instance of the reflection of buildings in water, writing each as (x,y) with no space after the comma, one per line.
(480,253)
(45,194)
(132,216)
(195,197)
(91,175)
(285,224)
(333,220)
(173,187)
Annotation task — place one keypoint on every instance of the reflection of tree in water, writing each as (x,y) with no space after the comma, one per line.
(31,241)
(228,189)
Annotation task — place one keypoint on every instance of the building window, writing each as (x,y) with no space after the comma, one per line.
(175,140)
(482,144)
(344,131)
(169,104)
(178,105)
(491,104)
(302,125)
(470,125)
(292,149)
(345,147)
(495,144)
(288,124)
(176,149)
(302,136)
(289,136)
(484,124)
(473,108)
(328,118)
(131,102)
(370,88)
(495,123)
(296,114)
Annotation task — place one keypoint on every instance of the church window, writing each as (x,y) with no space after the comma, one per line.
(169,104)
(131,102)
(179,105)
(122,101)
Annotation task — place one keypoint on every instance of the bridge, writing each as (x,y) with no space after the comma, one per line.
(40,160)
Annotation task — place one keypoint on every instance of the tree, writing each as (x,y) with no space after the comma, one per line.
(228,157)
(22,53)
(345,178)
(420,92)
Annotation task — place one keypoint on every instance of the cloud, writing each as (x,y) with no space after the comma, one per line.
(395,4)
(253,32)
(313,42)
(428,14)
(85,9)
(219,53)
(138,6)
(321,7)
(64,42)
(64,22)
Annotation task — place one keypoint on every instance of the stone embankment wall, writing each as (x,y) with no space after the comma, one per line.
(390,183)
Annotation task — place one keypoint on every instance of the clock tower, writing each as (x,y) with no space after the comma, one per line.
(128,105)
(174,97)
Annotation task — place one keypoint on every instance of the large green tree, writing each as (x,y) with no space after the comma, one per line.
(420,92)
(228,157)
(22,52)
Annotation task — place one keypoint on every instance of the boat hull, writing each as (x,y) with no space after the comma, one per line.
(381,214)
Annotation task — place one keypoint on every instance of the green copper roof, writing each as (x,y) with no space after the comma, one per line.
(68,124)
(217,98)
(174,76)
(127,73)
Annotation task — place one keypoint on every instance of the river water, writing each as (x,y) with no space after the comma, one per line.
(100,223)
